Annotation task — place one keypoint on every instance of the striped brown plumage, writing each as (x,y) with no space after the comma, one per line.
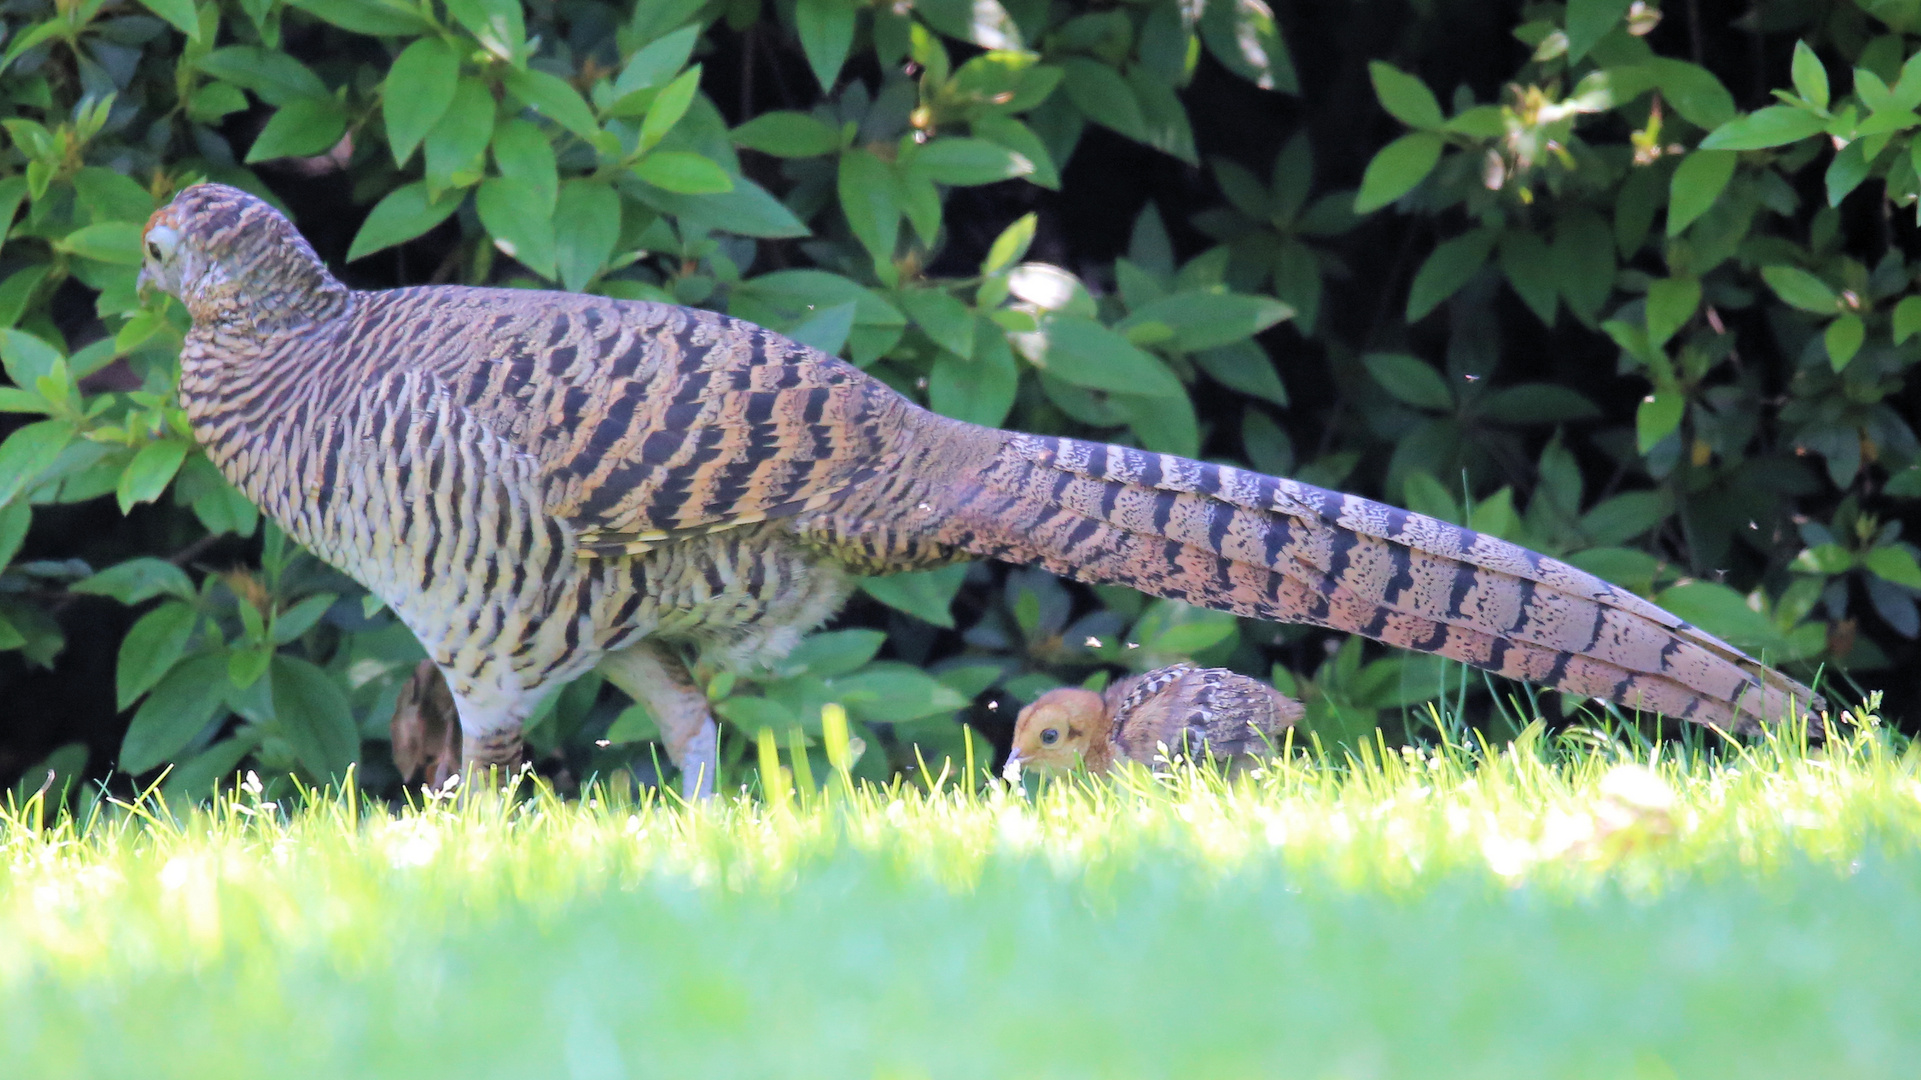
(538,483)
(1180,710)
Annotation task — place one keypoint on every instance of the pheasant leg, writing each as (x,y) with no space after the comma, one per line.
(659,680)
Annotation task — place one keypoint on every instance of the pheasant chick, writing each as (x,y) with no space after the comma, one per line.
(1181,708)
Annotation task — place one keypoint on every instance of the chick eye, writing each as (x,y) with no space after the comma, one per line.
(1050,736)
(162,242)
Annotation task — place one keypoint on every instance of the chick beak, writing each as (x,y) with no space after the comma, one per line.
(1011,772)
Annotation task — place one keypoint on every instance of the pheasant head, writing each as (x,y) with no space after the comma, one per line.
(234,260)
(1061,729)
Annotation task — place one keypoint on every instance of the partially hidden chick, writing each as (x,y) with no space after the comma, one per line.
(1186,709)
(426,728)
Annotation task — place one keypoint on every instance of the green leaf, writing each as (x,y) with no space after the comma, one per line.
(1011,245)
(1584,260)
(149,473)
(826,329)
(1536,403)
(668,107)
(178,12)
(1693,91)
(1244,36)
(455,144)
(927,595)
(894,693)
(1697,182)
(1906,92)
(635,723)
(1205,319)
(180,705)
(1720,611)
(300,128)
(1894,564)
(1245,367)
(288,625)
(1810,77)
(960,162)
(311,711)
(522,153)
(753,714)
(1410,379)
(1021,140)
(1528,264)
(982,22)
(152,646)
(1846,171)
(1446,269)
(552,97)
(26,357)
(15,517)
(1824,559)
(196,779)
(1626,516)
(29,451)
(684,172)
(1164,117)
(658,62)
(981,390)
(1082,352)
(1588,21)
(405,213)
(116,242)
(867,199)
(279,79)
(137,581)
(1396,169)
(946,320)
(511,210)
(787,134)
(1671,303)
(1101,95)
(836,652)
(1843,339)
(499,25)
(794,293)
(826,33)
(1657,417)
(747,210)
(586,227)
(1776,125)
(419,88)
(1907,318)
(1163,425)
(375,18)
(1405,97)
(1801,289)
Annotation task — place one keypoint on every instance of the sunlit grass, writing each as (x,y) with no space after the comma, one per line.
(1529,910)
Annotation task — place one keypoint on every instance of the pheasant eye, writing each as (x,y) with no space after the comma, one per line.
(1050,736)
(161,242)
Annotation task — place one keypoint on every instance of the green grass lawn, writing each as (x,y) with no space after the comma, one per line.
(1536,911)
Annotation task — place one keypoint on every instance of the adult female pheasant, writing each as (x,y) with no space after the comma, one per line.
(540,483)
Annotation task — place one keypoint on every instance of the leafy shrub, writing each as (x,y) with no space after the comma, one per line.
(1704,399)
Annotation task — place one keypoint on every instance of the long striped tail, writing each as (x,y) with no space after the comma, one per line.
(1274,549)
